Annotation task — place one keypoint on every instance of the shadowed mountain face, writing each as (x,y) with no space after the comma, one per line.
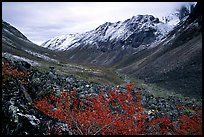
(176,63)
(7,28)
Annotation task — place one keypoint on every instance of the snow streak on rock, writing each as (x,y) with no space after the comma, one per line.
(42,56)
(14,57)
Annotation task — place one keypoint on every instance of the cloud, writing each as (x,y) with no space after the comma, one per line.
(40,21)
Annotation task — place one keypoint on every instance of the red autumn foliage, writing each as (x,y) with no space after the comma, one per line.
(118,114)
(9,73)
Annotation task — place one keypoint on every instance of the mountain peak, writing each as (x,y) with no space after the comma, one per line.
(144,18)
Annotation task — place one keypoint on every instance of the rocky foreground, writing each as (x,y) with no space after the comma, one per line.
(23,87)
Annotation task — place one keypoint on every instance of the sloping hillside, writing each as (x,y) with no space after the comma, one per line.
(176,63)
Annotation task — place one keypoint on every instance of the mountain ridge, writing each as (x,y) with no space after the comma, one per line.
(108,32)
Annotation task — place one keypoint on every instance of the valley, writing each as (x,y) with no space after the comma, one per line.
(140,76)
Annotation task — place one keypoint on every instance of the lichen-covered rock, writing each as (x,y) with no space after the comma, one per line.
(32,119)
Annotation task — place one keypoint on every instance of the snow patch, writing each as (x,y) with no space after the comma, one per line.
(8,41)
(14,57)
(41,56)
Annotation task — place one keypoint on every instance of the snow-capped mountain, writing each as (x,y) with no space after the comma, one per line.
(134,32)
(139,31)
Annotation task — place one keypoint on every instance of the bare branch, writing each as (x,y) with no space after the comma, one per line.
(76,125)
(106,125)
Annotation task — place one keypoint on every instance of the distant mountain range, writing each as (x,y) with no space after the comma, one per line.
(139,31)
(118,34)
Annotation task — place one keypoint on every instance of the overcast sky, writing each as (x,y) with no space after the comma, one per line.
(40,21)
